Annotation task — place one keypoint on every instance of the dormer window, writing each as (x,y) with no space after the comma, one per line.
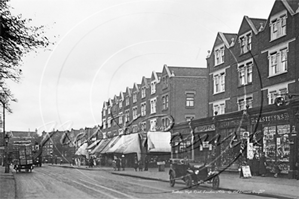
(143,92)
(219,55)
(153,87)
(245,42)
(120,104)
(134,98)
(127,101)
(278,25)
(164,82)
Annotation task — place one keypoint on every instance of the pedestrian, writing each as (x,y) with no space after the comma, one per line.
(276,170)
(114,163)
(135,163)
(123,162)
(146,163)
(255,164)
(118,163)
(140,165)
(262,165)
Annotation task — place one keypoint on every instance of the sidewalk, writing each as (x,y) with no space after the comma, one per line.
(264,186)
(7,184)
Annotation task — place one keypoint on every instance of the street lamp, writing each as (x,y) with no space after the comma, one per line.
(6,140)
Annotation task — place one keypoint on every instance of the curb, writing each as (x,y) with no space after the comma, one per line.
(224,189)
(249,192)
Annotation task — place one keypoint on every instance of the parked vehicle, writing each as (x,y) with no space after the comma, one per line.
(23,159)
(193,174)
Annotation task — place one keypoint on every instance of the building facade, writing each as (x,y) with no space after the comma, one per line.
(174,95)
(253,96)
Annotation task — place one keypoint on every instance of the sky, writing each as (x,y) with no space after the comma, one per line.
(103,46)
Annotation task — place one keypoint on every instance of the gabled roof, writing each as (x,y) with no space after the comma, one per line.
(128,91)
(116,99)
(154,76)
(187,71)
(145,82)
(255,24)
(104,105)
(135,88)
(109,103)
(292,6)
(224,38)
(121,96)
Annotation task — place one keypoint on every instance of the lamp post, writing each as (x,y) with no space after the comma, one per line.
(5,137)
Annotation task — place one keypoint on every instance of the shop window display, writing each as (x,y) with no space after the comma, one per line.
(276,147)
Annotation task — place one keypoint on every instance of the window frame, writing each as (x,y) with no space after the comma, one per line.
(278,25)
(190,99)
(219,54)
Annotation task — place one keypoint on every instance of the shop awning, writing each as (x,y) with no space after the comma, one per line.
(110,144)
(159,142)
(82,150)
(100,146)
(94,144)
(127,144)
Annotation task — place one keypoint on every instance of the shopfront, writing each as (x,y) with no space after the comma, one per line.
(181,141)
(278,131)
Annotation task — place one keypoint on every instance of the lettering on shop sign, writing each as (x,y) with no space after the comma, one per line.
(271,118)
(205,128)
(229,123)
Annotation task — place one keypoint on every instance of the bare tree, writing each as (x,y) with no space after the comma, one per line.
(17,38)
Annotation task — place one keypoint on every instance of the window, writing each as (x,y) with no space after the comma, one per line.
(243,102)
(189,118)
(278,25)
(245,73)
(245,42)
(153,89)
(126,116)
(120,104)
(108,122)
(134,99)
(274,93)
(134,112)
(135,128)
(143,126)
(278,61)
(219,55)
(104,124)
(120,119)
(127,101)
(190,99)
(104,112)
(153,105)
(143,109)
(165,122)
(165,101)
(108,111)
(219,108)
(219,82)
(164,82)
(143,92)
(153,125)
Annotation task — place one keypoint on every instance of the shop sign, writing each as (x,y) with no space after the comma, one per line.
(271,118)
(230,123)
(205,128)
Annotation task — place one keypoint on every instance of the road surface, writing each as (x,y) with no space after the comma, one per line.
(57,182)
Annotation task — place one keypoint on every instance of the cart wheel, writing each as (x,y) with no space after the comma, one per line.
(172,179)
(188,180)
(216,182)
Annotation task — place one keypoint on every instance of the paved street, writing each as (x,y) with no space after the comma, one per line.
(58,182)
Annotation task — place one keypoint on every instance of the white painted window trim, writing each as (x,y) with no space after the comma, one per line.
(219,47)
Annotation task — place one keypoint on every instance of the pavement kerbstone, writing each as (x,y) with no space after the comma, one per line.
(263,186)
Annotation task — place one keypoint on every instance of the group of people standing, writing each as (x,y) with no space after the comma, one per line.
(119,163)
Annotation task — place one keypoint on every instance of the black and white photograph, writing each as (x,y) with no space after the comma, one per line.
(149,99)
